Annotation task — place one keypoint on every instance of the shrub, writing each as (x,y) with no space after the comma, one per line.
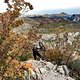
(11,44)
(54,55)
(74,67)
(25,56)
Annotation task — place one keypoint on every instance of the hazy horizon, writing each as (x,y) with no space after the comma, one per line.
(56,11)
(55,6)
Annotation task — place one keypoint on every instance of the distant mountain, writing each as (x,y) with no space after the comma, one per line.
(63,14)
(56,17)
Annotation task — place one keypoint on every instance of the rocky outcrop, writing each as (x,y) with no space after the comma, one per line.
(75,17)
(43,70)
(52,37)
(24,28)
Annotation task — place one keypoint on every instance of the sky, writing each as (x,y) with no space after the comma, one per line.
(41,5)
(54,4)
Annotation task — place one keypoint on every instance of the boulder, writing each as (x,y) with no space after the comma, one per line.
(43,70)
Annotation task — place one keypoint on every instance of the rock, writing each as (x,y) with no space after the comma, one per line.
(63,70)
(49,65)
(66,70)
(71,36)
(49,36)
(46,71)
(22,28)
(42,70)
(60,70)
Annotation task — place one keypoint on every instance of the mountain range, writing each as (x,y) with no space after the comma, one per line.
(56,11)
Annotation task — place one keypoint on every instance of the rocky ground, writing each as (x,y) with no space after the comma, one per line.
(43,70)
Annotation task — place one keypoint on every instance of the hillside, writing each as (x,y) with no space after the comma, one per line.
(61,39)
(57,40)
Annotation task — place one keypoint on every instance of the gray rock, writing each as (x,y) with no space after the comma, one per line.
(46,71)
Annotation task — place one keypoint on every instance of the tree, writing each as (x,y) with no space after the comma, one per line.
(8,40)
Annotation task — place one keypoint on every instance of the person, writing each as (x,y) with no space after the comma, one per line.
(42,46)
(42,49)
(35,52)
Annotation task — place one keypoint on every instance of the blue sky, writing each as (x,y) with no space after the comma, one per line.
(46,5)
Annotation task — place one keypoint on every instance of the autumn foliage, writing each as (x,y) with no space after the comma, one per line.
(12,45)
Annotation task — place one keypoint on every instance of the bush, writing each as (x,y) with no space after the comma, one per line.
(12,44)
(54,55)
(25,56)
(78,78)
(74,67)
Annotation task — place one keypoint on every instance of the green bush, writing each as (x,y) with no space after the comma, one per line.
(78,78)
(74,67)
(74,64)
(25,56)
